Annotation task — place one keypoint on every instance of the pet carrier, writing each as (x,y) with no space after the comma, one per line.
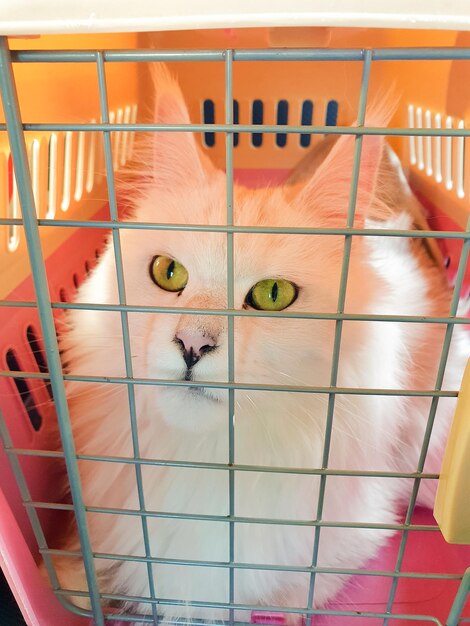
(273,81)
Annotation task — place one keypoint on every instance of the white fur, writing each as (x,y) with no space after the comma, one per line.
(271,428)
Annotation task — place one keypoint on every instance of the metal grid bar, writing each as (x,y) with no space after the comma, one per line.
(273,54)
(124,320)
(460,600)
(363,232)
(340,309)
(339,317)
(222,466)
(235,518)
(432,414)
(230,321)
(250,128)
(347,391)
(25,192)
(356,317)
(257,566)
(250,607)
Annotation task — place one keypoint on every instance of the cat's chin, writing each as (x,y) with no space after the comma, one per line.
(193,408)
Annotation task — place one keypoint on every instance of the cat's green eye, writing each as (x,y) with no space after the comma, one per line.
(168,274)
(272,294)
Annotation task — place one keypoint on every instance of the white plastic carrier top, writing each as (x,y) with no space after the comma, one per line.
(23,17)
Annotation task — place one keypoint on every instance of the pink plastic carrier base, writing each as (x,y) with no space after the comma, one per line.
(426,551)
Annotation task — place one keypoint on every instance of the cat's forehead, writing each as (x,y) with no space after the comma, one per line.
(209,205)
(267,207)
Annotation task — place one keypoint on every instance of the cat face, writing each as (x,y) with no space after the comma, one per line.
(184,188)
(195,346)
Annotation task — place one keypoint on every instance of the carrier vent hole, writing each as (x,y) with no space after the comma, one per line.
(447,262)
(63,295)
(331,118)
(125,137)
(97,254)
(34,149)
(460,164)
(11,176)
(36,350)
(80,167)
(87,267)
(76,281)
(235,121)
(437,150)
(428,143)
(38,355)
(13,210)
(52,177)
(306,120)
(208,117)
(282,118)
(67,172)
(419,139)
(257,118)
(91,160)
(24,391)
(449,182)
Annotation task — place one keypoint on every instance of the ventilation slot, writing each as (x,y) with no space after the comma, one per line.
(38,354)
(460,162)
(437,151)
(52,178)
(306,120)
(331,118)
(448,158)
(118,140)
(257,118)
(133,120)
(67,182)
(125,137)
(411,124)
(419,139)
(442,158)
(76,281)
(235,121)
(80,168)
(34,169)
(24,391)
(428,145)
(208,117)
(63,297)
(91,167)
(13,208)
(282,119)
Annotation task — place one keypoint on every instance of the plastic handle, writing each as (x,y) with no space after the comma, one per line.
(452,506)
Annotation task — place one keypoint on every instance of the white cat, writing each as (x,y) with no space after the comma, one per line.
(286,429)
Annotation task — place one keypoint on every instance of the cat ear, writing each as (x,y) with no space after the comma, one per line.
(329,187)
(176,158)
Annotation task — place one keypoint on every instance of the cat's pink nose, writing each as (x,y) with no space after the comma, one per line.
(194,345)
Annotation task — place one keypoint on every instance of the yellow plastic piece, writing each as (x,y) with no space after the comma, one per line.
(452,506)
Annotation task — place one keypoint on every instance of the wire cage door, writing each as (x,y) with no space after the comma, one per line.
(227,124)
